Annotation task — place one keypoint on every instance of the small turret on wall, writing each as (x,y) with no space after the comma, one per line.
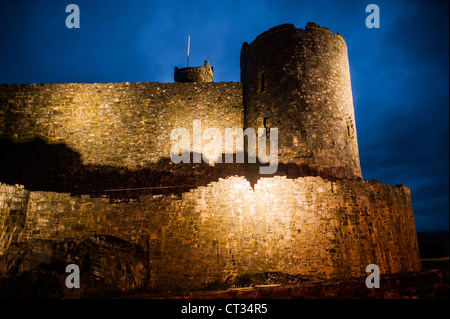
(194,74)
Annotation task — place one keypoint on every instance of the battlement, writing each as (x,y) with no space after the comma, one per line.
(289,27)
(194,74)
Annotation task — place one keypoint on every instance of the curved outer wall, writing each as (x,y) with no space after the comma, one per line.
(306,226)
(299,82)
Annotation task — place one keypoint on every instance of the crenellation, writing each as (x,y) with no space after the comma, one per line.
(199,74)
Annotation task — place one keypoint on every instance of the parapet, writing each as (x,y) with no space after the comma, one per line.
(194,74)
(291,27)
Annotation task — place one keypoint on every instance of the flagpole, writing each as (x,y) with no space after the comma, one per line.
(189,44)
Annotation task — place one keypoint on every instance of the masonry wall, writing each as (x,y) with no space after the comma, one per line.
(299,82)
(13,212)
(307,226)
(120,125)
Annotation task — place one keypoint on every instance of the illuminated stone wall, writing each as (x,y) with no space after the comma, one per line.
(121,124)
(299,80)
(13,212)
(292,79)
(307,226)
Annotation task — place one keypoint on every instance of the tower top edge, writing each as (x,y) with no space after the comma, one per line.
(310,26)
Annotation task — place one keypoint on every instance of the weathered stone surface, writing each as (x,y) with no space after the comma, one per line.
(123,125)
(13,211)
(107,265)
(117,264)
(306,226)
(299,81)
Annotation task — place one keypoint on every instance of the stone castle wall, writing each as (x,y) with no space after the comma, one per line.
(13,213)
(121,125)
(128,125)
(306,226)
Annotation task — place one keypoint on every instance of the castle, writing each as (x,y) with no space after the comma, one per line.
(94,162)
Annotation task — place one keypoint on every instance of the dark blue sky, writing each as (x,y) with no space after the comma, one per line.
(400,72)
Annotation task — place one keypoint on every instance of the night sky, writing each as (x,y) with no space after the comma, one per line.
(400,72)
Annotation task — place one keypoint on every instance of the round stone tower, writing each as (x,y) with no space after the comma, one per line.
(299,82)
(194,74)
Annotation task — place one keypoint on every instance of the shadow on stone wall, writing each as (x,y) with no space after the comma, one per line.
(41,166)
